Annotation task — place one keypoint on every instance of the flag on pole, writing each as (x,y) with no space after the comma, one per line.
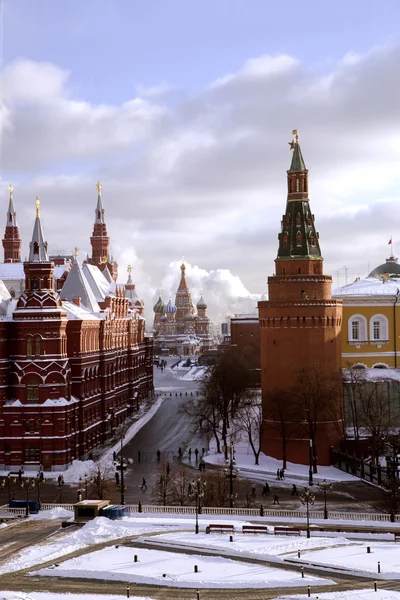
(390,242)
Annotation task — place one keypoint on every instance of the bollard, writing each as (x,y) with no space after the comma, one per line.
(261,510)
(139,506)
(128,591)
(164,574)
(231,538)
(302,572)
(379,566)
(197,595)
(308,591)
(298,553)
(368,550)
(196,569)
(375,586)
(135,558)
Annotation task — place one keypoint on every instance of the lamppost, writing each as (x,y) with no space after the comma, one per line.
(325,487)
(231,471)
(306,499)
(28,484)
(197,492)
(40,481)
(81,485)
(311,453)
(123,464)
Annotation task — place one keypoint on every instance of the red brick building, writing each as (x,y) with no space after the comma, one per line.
(300,323)
(73,363)
(245,333)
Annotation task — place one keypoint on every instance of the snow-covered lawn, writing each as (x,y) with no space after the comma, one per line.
(351,594)
(118,564)
(51,596)
(98,531)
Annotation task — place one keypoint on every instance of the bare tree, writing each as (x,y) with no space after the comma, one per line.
(317,392)
(250,420)
(181,483)
(102,484)
(216,490)
(284,415)
(163,490)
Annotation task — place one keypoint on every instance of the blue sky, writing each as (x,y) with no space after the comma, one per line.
(183,110)
(112,46)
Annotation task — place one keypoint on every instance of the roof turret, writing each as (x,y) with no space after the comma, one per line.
(159,306)
(99,212)
(170,308)
(201,304)
(38,247)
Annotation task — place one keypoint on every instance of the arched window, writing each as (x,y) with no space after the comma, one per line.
(37,346)
(297,184)
(285,239)
(313,241)
(32,391)
(12,293)
(29,346)
(378,328)
(36,284)
(357,329)
(35,248)
(298,220)
(299,239)
(287,220)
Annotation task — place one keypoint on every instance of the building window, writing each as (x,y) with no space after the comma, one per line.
(37,346)
(298,220)
(379,328)
(297,184)
(285,240)
(29,346)
(299,239)
(287,219)
(357,329)
(32,391)
(313,241)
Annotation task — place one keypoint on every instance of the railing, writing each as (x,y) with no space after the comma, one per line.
(45,506)
(20,512)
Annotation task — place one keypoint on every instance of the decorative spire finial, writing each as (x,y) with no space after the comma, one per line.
(11,190)
(99,186)
(76,250)
(293,143)
(129,268)
(37,207)
(105,259)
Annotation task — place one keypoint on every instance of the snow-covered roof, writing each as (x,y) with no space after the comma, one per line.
(59,270)
(99,284)
(369,287)
(12,271)
(77,286)
(377,374)
(79,312)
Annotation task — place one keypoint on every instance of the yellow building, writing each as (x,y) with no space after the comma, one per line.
(371,318)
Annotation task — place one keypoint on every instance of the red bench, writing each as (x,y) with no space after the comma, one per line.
(286,531)
(221,528)
(397,536)
(254,529)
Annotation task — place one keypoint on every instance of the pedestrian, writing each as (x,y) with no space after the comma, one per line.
(278,474)
(282,474)
(116,478)
(79,496)
(197,454)
(168,468)
(62,479)
(190,454)
(267,490)
(20,475)
(41,476)
(180,453)
(144,485)
(253,490)
(114,456)
(294,490)
(59,480)
(158,455)
(276,499)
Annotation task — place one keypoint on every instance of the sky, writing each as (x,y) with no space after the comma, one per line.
(183,111)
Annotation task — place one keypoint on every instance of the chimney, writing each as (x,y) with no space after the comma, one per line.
(76,301)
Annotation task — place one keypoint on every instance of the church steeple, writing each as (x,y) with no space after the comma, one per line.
(38,247)
(38,268)
(11,241)
(298,239)
(100,241)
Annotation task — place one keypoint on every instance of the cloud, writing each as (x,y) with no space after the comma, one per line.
(206,176)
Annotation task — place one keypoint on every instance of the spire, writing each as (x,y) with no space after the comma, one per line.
(298,238)
(182,283)
(297,163)
(11,241)
(129,282)
(99,218)
(38,247)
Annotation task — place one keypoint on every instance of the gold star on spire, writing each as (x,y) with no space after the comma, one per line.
(99,186)
(129,268)
(37,207)
(76,250)
(11,190)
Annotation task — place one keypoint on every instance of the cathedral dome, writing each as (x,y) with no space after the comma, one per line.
(390,267)
(188,316)
(163,318)
(159,305)
(201,304)
(170,308)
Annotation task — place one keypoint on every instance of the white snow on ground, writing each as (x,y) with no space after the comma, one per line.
(54,513)
(117,564)
(94,532)
(268,466)
(51,596)
(352,594)
(194,374)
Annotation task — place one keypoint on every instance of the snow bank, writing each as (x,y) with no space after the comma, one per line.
(353,594)
(55,513)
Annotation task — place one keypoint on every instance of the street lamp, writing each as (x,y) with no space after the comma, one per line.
(123,464)
(231,471)
(27,484)
(197,492)
(40,481)
(306,499)
(325,487)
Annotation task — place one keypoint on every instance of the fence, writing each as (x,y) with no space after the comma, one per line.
(362,469)
(19,512)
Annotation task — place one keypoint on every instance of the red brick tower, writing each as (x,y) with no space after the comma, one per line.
(11,241)
(100,241)
(300,323)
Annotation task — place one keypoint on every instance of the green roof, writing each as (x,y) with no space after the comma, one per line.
(298,163)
